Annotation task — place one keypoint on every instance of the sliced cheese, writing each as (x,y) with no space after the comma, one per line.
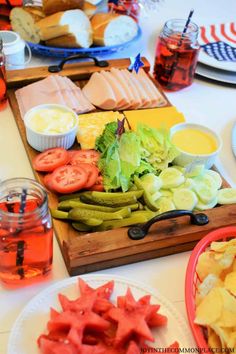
(164,117)
(91,125)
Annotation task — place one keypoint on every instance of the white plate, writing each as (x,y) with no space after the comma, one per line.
(32,320)
(228,77)
(223,65)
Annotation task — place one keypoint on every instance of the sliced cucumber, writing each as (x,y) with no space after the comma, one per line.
(165,204)
(171,178)
(155,196)
(166,193)
(204,206)
(206,180)
(179,168)
(205,193)
(216,176)
(185,199)
(188,184)
(194,170)
(206,188)
(227,196)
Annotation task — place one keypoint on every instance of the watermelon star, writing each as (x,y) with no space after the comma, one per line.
(103,293)
(131,319)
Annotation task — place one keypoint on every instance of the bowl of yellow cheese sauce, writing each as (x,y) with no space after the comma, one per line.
(196,144)
(51,125)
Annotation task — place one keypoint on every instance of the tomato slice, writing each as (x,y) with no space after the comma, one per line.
(47,180)
(92,171)
(50,159)
(98,185)
(68,179)
(85,156)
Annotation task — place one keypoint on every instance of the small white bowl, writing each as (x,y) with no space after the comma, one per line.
(186,158)
(42,141)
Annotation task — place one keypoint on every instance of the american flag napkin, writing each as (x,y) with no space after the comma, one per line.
(219,41)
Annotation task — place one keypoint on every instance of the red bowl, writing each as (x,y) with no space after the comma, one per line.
(191,279)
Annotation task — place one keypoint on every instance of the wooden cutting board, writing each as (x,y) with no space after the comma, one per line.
(95,251)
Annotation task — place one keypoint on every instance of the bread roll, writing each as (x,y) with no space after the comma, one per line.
(89,9)
(76,40)
(112,29)
(52,6)
(23,21)
(94,2)
(71,22)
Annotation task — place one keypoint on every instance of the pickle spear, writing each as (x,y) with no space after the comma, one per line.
(70,204)
(59,214)
(114,224)
(84,214)
(79,226)
(111,199)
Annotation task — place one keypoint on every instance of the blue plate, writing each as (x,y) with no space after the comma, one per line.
(44,50)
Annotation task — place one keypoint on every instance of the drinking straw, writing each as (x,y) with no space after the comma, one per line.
(23,201)
(21,243)
(180,42)
(186,27)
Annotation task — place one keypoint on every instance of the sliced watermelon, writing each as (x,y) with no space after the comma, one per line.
(92,324)
(48,346)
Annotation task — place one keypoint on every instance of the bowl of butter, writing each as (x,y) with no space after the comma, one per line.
(50,125)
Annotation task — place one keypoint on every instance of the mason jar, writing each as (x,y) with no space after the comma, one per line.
(26,233)
(176,55)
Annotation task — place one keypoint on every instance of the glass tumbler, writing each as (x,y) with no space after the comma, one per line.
(176,55)
(26,234)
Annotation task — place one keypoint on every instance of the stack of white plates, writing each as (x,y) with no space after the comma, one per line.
(223,71)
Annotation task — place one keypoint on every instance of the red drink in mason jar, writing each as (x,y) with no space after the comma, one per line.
(126,7)
(3,86)
(26,236)
(176,55)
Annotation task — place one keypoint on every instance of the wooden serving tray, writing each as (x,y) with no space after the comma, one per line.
(95,251)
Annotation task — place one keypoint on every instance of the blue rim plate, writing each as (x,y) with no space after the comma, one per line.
(40,49)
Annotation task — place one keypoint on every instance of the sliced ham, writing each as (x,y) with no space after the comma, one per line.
(160,100)
(148,89)
(130,85)
(53,89)
(40,92)
(73,95)
(119,92)
(99,92)
(62,87)
(85,105)
(120,78)
(146,101)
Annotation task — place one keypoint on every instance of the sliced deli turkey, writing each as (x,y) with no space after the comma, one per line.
(120,89)
(113,29)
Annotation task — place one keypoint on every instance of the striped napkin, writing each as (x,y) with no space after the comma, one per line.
(219,41)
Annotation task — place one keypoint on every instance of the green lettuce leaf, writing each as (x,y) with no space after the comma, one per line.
(156,146)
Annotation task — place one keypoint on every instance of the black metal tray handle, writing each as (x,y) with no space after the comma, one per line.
(59,67)
(139,232)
